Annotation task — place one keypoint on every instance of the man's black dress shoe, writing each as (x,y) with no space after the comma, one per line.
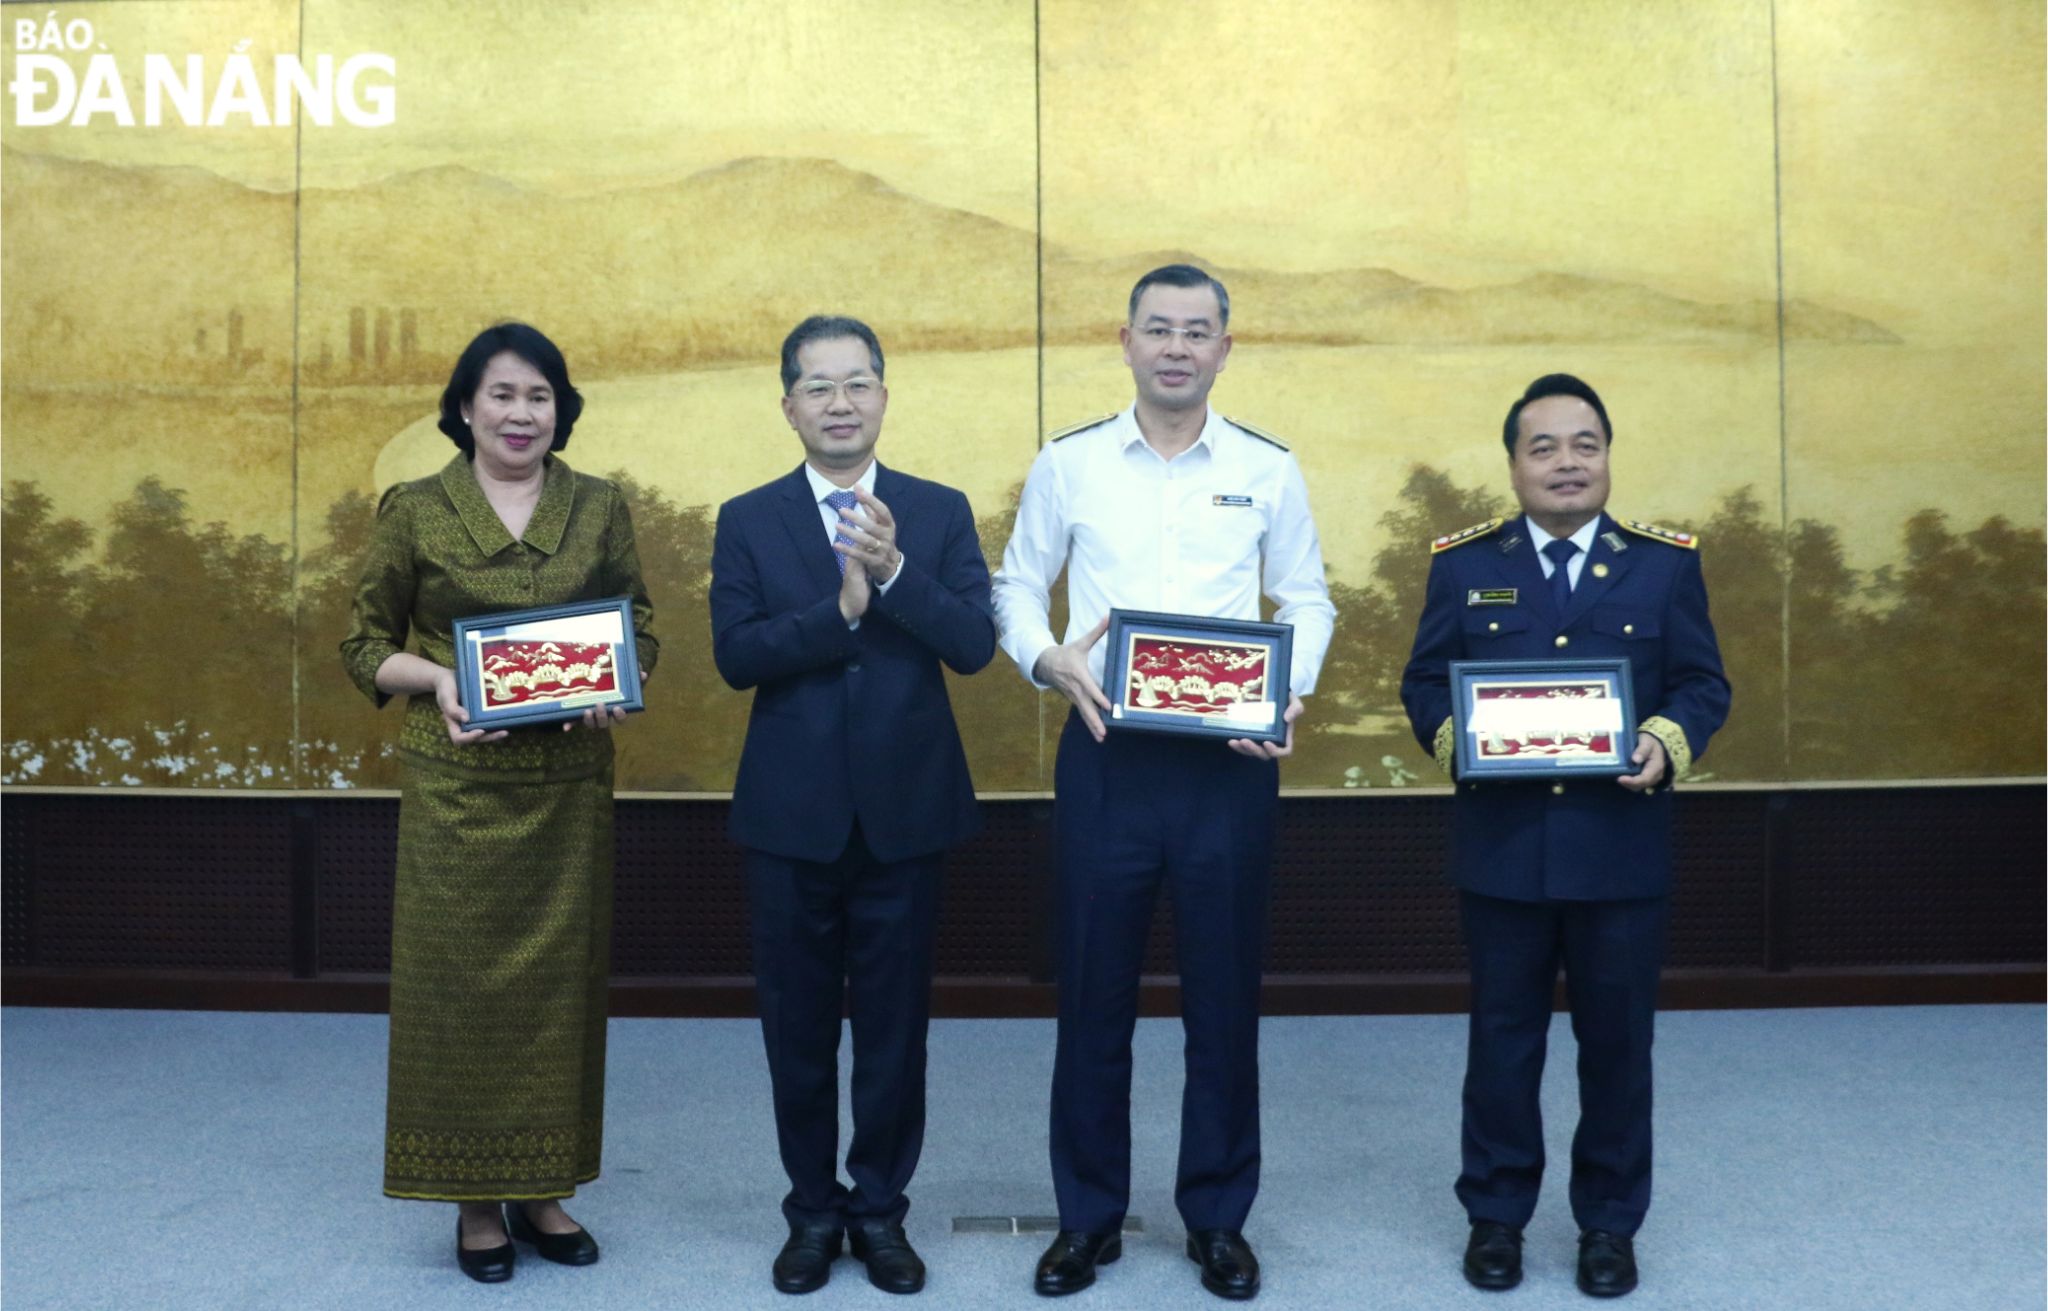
(1228,1267)
(578,1248)
(805,1262)
(1068,1266)
(486,1265)
(1493,1256)
(1607,1264)
(882,1246)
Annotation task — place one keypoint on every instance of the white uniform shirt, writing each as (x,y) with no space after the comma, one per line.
(1199,534)
(1583,539)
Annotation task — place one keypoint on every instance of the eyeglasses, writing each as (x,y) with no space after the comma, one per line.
(819,391)
(1159,334)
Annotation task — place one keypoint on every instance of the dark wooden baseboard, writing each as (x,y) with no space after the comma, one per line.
(1011,998)
(1789,897)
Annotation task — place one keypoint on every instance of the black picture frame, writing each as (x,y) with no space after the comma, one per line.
(1586,728)
(499,656)
(1194,706)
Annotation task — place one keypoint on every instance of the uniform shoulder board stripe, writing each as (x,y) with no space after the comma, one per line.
(1082,426)
(1463,535)
(1259,433)
(1689,541)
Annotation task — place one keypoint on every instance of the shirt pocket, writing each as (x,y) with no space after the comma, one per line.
(1233,525)
(1623,625)
(1484,623)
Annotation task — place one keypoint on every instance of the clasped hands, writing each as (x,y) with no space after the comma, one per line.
(1065,668)
(871,554)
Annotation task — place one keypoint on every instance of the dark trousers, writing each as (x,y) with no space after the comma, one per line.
(853,932)
(1611,952)
(1129,812)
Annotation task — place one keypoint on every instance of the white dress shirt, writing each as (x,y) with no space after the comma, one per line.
(822,487)
(1199,534)
(1583,539)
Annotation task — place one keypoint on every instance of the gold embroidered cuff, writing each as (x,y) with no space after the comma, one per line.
(1675,745)
(1446,746)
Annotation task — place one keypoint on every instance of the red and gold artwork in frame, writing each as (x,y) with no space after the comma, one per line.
(1541,718)
(517,672)
(1170,675)
(1537,725)
(1198,676)
(547,664)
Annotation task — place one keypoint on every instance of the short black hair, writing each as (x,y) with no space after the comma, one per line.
(825,327)
(1552,384)
(529,344)
(1181,275)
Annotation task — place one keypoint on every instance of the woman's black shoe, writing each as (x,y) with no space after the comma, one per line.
(578,1248)
(486,1265)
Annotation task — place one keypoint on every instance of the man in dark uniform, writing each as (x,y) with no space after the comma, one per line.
(1573,872)
(837,591)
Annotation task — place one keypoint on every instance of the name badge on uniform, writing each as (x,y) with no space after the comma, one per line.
(1244,501)
(1490,596)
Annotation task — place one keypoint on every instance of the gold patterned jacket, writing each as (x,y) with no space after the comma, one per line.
(439,553)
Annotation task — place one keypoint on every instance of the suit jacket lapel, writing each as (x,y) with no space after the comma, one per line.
(892,489)
(1520,569)
(1592,585)
(807,531)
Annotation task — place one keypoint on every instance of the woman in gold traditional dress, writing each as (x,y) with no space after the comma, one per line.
(501,927)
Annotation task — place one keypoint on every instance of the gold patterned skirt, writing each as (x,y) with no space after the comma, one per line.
(500,963)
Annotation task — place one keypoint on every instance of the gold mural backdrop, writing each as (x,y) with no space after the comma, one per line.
(1798,247)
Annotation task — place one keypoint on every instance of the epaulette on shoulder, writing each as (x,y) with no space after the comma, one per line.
(1464,535)
(1259,433)
(1083,426)
(1688,541)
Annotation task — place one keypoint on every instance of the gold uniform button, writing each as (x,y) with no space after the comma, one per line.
(1557,789)
(1493,628)
(1562,640)
(1627,629)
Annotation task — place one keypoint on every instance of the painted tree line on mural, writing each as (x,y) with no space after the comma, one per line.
(164,653)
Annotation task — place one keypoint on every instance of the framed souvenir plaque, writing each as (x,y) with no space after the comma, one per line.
(1220,678)
(546,665)
(1542,718)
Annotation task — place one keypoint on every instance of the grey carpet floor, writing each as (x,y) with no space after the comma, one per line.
(1816,1159)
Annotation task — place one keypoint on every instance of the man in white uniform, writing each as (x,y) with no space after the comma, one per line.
(1171,507)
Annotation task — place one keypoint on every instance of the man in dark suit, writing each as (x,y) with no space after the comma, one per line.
(836,592)
(1573,872)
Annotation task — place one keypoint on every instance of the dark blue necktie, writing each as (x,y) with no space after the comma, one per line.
(1561,550)
(841,501)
